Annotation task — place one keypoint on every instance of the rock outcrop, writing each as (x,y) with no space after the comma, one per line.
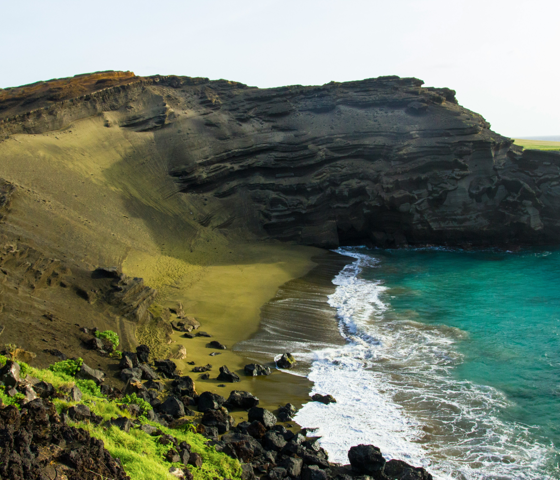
(384,161)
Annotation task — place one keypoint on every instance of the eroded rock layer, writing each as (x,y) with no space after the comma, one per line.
(383,161)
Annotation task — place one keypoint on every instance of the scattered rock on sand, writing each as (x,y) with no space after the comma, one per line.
(255,369)
(205,368)
(286,361)
(227,376)
(215,344)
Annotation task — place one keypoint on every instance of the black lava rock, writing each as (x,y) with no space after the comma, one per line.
(227,376)
(255,369)
(209,401)
(366,459)
(266,417)
(241,400)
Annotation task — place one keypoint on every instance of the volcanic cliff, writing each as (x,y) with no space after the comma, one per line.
(383,161)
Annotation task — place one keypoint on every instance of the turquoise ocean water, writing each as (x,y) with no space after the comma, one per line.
(452,361)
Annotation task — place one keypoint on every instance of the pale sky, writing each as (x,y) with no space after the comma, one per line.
(502,57)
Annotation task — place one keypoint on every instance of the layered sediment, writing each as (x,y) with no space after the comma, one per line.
(384,161)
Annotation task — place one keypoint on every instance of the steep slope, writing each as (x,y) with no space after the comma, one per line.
(383,161)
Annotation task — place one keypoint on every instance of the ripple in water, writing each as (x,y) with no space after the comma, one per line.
(395,389)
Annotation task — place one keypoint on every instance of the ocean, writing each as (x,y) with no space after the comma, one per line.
(446,359)
(451,361)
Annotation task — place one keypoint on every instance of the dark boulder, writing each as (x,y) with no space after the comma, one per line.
(326,399)
(79,413)
(158,386)
(256,429)
(266,417)
(172,456)
(195,459)
(292,465)
(10,374)
(143,353)
(255,369)
(245,447)
(167,439)
(217,418)
(366,459)
(217,345)
(149,429)
(122,423)
(400,470)
(286,361)
(310,459)
(205,368)
(134,374)
(273,441)
(184,386)
(172,406)
(313,472)
(241,400)
(209,401)
(147,372)
(286,413)
(128,360)
(95,344)
(227,376)
(167,368)
(44,389)
(88,373)
(247,472)
(75,394)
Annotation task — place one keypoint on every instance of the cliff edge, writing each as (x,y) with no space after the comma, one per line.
(381,161)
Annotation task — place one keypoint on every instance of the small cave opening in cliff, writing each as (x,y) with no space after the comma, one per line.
(350,237)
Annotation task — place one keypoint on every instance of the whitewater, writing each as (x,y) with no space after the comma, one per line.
(394,387)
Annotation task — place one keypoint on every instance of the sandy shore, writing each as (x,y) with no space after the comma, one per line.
(227,300)
(94,196)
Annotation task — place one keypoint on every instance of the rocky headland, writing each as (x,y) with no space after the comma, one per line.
(384,161)
(170,209)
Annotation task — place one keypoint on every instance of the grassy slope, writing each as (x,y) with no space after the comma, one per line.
(140,454)
(537,144)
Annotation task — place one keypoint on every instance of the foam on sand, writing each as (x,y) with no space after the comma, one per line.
(394,389)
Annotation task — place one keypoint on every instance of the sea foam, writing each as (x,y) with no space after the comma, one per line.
(394,389)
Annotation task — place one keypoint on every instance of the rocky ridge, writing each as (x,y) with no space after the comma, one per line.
(382,161)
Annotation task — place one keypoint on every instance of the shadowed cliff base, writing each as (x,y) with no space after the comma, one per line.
(381,161)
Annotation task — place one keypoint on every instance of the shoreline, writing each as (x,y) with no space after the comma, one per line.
(228,301)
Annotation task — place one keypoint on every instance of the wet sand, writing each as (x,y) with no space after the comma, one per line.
(261,310)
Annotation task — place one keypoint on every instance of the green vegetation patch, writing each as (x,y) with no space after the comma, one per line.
(537,144)
(142,456)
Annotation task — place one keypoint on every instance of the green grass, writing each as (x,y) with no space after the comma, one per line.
(141,455)
(537,144)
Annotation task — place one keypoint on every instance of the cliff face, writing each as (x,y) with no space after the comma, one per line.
(383,161)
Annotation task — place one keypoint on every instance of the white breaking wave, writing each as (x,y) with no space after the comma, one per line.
(394,390)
